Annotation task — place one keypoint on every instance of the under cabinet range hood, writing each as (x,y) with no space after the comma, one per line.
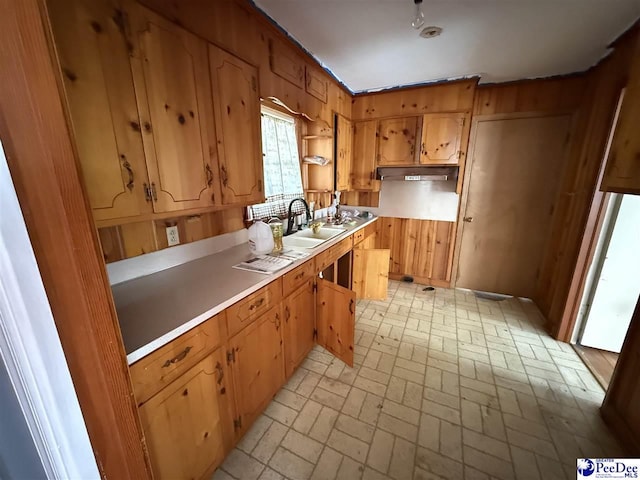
(417,173)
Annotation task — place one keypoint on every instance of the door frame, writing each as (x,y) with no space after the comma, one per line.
(464,196)
(42,160)
(564,330)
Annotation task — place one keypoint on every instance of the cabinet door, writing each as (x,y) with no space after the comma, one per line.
(285,63)
(344,140)
(172,83)
(371,273)
(237,114)
(363,165)
(441,137)
(299,322)
(397,141)
(94,60)
(258,366)
(335,319)
(316,84)
(185,423)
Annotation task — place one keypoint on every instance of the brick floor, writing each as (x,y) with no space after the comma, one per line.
(445,385)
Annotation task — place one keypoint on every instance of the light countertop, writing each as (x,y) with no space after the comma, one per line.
(155,309)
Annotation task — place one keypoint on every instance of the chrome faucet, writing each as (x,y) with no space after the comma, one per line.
(290,216)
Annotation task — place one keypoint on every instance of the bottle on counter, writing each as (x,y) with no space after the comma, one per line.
(260,238)
(277,232)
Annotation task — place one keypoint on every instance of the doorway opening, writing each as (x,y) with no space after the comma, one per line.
(612,288)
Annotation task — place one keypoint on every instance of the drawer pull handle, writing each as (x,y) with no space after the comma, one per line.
(351,307)
(299,276)
(220,373)
(256,304)
(177,358)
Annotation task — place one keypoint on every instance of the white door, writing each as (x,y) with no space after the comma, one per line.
(618,286)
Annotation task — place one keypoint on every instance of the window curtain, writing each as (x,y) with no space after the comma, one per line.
(282,176)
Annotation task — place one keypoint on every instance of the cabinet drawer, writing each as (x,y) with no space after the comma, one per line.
(297,277)
(343,247)
(358,236)
(329,256)
(324,259)
(153,372)
(248,309)
(371,229)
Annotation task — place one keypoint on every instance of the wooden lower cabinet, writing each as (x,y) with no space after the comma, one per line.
(335,319)
(422,249)
(185,423)
(370,273)
(257,366)
(299,325)
(199,394)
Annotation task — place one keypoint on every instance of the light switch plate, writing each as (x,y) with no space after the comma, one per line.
(172,236)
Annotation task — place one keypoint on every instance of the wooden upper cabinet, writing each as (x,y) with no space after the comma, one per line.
(335,319)
(622,172)
(172,84)
(299,323)
(344,141)
(237,115)
(257,366)
(397,141)
(441,138)
(94,60)
(285,63)
(363,164)
(185,423)
(316,84)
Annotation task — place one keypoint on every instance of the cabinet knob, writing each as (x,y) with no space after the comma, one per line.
(467,219)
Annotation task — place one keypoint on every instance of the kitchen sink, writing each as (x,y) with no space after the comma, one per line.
(302,242)
(325,233)
(307,239)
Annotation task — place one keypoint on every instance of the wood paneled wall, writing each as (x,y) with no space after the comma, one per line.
(133,239)
(360,198)
(561,94)
(42,161)
(620,408)
(445,97)
(579,188)
(419,248)
(529,97)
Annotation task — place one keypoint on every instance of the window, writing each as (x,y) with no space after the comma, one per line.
(281,160)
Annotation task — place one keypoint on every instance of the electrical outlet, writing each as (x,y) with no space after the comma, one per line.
(172,236)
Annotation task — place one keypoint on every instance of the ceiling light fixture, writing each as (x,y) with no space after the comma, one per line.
(430,32)
(418,18)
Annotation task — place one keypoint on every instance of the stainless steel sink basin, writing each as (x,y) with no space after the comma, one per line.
(308,239)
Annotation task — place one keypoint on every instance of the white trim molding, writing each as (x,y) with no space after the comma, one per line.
(31,350)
